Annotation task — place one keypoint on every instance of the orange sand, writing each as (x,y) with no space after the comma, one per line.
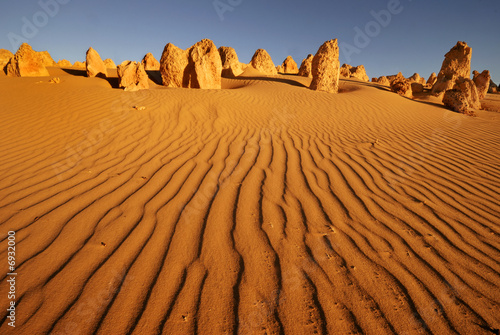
(261,208)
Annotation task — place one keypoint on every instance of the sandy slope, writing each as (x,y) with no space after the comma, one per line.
(262,208)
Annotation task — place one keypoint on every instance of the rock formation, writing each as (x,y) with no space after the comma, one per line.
(289,66)
(383,81)
(150,63)
(207,65)
(415,78)
(46,58)
(173,63)
(94,64)
(198,67)
(468,88)
(5,56)
(109,64)
(345,70)
(326,68)
(493,87)
(359,72)
(482,81)
(432,79)
(262,62)
(306,67)
(64,63)
(456,65)
(132,76)
(26,63)
(231,66)
(417,87)
(402,86)
(456,100)
(80,64)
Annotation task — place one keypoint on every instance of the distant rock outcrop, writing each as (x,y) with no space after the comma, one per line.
(290,66)
(383,81)
(359,72)
(5,56)
(132,76)
(262,62)
(26,63)
(345,70)
(64,63)
(432,79)
(493,88)
(402,86)
(482,81)
(94,64)
(231,66)
(198,67)
(150,63)
(80,64)
(456,65)
(325,68)
(306,67)
(415,78)
(109,64)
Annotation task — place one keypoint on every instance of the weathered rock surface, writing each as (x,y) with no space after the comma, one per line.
(150,63)
(262,62)
(326,68)
(46,58)
(109,64)
(468,88)
(173,64)
(5,56)
(417,87)
(64,63)
(231,66)
(482,81)
(306,67)
(198,67)
(132,76)
(207,65)
(456,65)
(402,86)
(26,63)
(289,66)
(456,100)
(94,64)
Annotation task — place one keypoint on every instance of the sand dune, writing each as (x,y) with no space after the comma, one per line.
(262,208)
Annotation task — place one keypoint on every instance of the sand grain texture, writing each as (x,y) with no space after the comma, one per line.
(261,208)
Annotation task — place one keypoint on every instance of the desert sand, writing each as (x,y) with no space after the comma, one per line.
(261,208)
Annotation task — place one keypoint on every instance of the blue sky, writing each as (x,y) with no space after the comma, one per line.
(413,38)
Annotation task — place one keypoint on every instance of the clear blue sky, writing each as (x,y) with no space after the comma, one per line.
(418,35)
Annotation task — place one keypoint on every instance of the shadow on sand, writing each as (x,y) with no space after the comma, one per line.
(113,81)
